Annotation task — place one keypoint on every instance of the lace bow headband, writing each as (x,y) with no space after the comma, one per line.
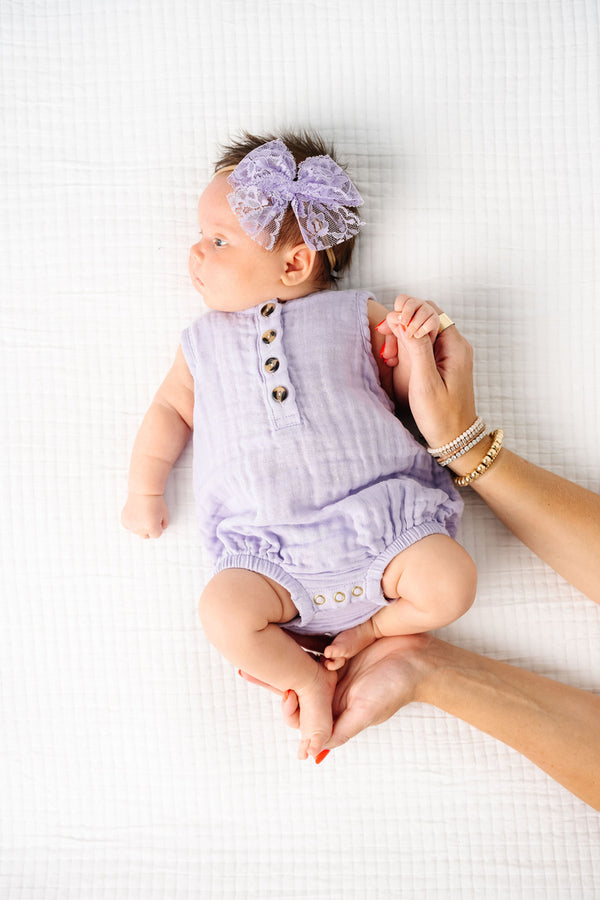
(266,181)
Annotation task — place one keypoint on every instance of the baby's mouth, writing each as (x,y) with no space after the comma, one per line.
(196,280)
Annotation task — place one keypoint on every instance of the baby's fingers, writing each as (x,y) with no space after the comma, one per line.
(425,321)
(154,529)
(416,317)
(406,307)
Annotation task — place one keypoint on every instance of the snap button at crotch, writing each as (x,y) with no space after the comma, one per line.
(338,597)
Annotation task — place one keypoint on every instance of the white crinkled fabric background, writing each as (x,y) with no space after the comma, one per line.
(134,763)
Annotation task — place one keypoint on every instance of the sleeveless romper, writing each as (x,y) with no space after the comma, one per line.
(302,472)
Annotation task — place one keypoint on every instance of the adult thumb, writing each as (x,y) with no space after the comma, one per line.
(423,366)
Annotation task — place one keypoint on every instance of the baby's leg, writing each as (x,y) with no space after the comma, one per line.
(434,581)
(240,610)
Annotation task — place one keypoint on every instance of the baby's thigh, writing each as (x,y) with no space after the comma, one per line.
(434,566)
(245,598)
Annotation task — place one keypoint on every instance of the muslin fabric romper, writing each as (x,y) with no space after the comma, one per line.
(302,472)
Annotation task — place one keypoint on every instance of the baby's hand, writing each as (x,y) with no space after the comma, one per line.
(415,318)
(145,515)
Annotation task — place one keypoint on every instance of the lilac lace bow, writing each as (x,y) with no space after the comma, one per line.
(265,182)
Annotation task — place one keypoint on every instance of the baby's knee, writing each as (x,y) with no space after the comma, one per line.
(235,601)
(459,579)
(219,609)
(210,611)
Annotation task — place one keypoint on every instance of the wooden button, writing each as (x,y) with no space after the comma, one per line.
(280,393)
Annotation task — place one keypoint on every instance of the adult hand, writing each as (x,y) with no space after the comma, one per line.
(377,682)
(373,686)
(290,708)
(440,381)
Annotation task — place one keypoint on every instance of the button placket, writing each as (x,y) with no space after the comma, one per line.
(278,390)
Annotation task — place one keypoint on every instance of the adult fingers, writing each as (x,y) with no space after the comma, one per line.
(252,680)
(349,723)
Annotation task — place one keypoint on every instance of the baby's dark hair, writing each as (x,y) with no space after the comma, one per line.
(301,145)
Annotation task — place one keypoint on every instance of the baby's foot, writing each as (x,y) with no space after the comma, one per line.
(348,643)
(316,717)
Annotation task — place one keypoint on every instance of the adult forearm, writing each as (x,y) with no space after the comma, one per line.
(558,520)
(556,726)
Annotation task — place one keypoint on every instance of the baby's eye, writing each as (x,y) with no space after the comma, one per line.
(219,242)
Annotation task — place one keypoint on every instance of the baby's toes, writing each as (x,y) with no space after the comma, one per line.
(316,717)
(313,745)
(340,648)
(303,749)
(334,664)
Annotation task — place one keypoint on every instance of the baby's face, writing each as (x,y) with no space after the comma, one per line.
(229,269)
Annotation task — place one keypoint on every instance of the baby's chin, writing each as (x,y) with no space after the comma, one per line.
(226,304)
(208,301)
(230,306)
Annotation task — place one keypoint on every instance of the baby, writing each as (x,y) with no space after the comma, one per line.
(320,511)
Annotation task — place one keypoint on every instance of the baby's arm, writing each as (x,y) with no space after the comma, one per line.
(163,434)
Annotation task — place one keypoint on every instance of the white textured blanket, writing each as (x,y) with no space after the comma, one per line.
(134,762)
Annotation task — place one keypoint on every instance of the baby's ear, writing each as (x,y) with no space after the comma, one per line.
(299,264)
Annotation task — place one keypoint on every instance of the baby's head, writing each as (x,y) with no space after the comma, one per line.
(303,145)
(283,201)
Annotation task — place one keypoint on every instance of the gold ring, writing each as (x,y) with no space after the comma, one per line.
(445,322)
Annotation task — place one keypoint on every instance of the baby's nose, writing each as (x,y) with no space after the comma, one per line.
(196,254)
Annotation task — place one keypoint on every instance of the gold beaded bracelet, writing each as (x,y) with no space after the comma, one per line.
(486,462)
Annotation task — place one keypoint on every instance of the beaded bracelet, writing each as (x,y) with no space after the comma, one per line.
(486,462)
(446,460)
(476,428)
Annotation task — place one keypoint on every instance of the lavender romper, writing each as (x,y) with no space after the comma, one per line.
(302,472)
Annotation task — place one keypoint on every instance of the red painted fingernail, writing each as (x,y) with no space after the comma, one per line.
(380,324)
(321,756)
(286,695)
(381,352)
(240,673)
(403,327)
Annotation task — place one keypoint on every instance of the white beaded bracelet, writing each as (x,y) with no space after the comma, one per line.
(445,461)
(476,428)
